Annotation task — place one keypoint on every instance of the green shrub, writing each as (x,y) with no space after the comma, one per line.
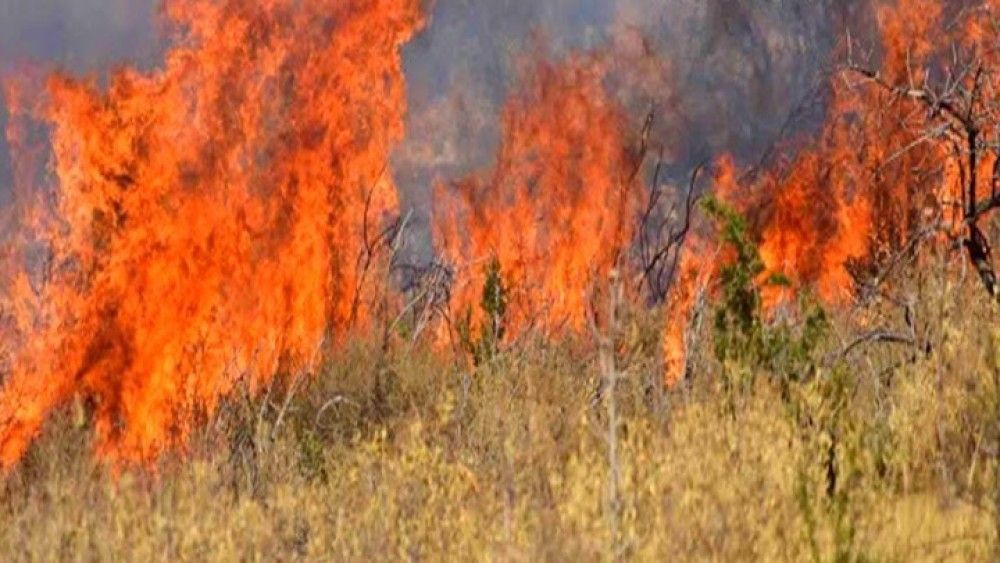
(484,343)
(745,342)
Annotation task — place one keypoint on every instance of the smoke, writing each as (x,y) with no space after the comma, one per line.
(722,76)
(459,72)
(213,217)
(79,36)
(741,69)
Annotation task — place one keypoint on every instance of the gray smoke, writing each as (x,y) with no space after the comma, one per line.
(721,75)
(79,36)
(460,70)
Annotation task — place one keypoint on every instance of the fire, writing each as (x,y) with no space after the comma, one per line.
(558,208)
(695,267)
(207,218)
(813,219)
(870,180)
(209,223)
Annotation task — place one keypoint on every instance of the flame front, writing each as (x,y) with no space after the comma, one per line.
(878,172)
(207,217)
(558,208)
(207,223)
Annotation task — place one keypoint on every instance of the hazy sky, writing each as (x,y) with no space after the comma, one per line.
(80,34)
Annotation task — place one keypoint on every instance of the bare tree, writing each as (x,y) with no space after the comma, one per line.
(962,114)
(662,235)
(961,111)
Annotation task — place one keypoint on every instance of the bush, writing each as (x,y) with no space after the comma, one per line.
(745,342)
(484,343)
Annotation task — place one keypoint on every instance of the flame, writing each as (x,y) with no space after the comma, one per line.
(208,223)
(694,269)
(207,218)
(556,210)
(867,183)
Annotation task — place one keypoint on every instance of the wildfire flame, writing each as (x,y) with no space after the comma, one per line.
(557,209)
(207,217)
(865,185)
(208,223)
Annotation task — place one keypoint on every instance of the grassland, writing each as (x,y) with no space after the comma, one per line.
(873,450)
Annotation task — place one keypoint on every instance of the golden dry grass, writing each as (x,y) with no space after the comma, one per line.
(406,453)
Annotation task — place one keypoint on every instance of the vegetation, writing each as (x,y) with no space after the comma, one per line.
(518,411)
(830,447)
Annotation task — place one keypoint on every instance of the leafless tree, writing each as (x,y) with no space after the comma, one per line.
(962,111)
(663,233)
(961,99)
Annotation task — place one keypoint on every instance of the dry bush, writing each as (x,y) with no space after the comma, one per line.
(403,452)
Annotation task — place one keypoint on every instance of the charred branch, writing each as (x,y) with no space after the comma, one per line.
(957,107)
(661,243)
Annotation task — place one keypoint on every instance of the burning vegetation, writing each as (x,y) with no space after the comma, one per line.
(202,224)
(902,162)
(228,218)
(642,322)
(557,210)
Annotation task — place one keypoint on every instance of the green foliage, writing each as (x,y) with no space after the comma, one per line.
(312,454)
(485,343)
(745,342)
(494,303)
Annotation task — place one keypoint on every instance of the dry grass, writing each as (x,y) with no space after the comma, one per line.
(409,454)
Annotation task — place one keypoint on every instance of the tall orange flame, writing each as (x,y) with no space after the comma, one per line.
(202,224)
(208,216)
(557,209)
(874,174)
